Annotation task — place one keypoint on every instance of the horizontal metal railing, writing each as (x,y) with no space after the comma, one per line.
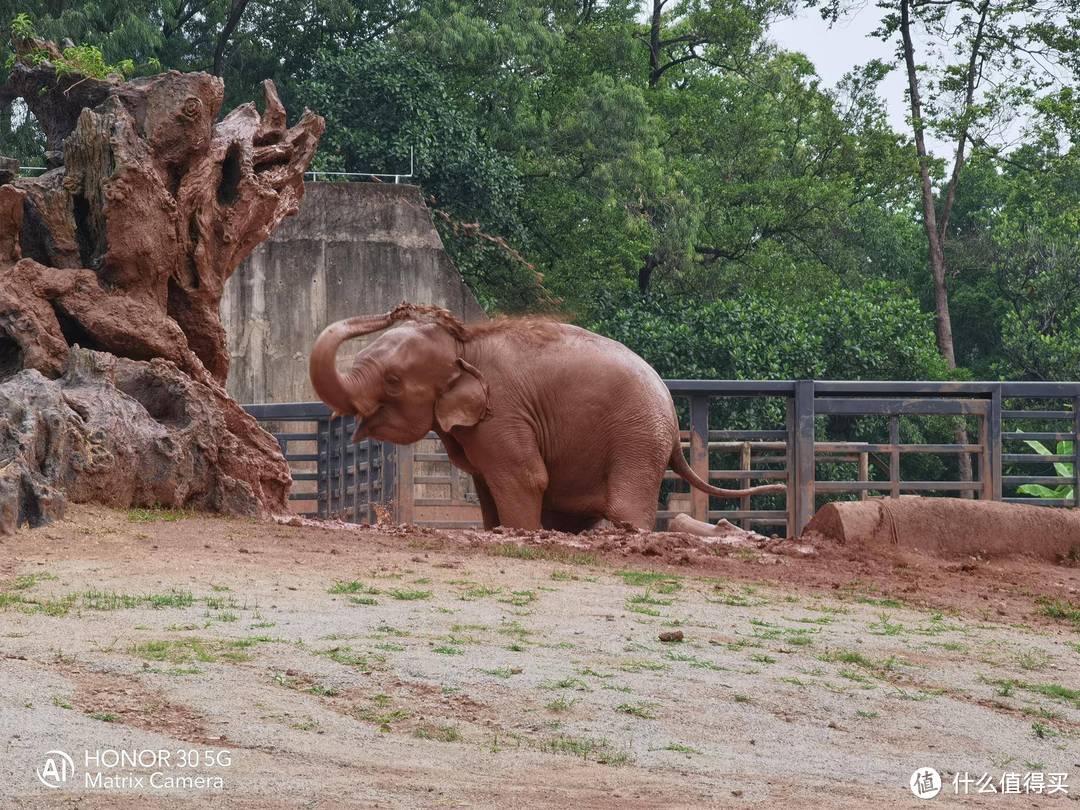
(350,481)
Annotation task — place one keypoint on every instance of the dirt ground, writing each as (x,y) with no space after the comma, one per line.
(332,667)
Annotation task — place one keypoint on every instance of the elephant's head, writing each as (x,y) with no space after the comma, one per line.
(405,383)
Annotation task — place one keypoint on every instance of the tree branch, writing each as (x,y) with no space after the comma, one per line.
(974,68)
(236,11)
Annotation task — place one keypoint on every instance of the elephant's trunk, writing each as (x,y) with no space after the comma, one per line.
(322,365)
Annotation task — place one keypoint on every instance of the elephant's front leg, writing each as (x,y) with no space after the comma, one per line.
(517,501)
(488,510)
(518,494)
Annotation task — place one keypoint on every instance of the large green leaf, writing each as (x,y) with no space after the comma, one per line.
(1064,491)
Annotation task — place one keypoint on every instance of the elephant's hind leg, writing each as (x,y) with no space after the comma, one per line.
(633,493)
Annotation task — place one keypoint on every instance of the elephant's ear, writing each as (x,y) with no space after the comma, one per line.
(466,400)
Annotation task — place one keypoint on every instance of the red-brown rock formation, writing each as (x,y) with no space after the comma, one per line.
(123,249)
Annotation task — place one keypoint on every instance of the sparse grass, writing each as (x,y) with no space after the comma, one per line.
(363,600)
(514,629)
(644,711)
(648,599)
(692,660)
(158,513)
(762,658)
(884,627)
(446,649)
(1032,660)
(519,598)
(733,599)
(1042,731)
(560,705)
(639,665)
(446,734)
(865,714)
(26,581)
(502,672)
(60,703)
(178,651)
(885,603)
(172,599)
(175,672)
(855,658)
(220,602)
(739,697)
(108,600)
(1006,687)
(554,554)
(409,595)
(93,600)
(639,579)
(351,586)
(105,717)
(479,592)
(380,714)
(592,673)
(599,750)
(568,682)
(1055,691)
(347,657)
(1059,609)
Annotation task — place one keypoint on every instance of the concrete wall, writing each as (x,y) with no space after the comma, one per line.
(352,249)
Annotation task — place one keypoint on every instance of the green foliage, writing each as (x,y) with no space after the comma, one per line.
(718,209)
(22,27)
(869,334)
(1062,469)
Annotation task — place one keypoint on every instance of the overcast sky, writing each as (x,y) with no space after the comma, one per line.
(835,51)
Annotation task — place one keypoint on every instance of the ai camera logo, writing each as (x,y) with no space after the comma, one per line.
(56,770)
(925,783)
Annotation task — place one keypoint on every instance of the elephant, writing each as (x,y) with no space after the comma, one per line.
(559,427)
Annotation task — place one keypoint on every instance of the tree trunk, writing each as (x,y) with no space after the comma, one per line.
(236,11)
(938,268)
(655,70)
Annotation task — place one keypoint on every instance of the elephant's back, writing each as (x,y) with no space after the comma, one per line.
(605,363)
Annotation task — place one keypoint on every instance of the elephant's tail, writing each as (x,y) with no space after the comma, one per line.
(683,470)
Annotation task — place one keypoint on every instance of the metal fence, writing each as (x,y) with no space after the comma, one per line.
(332,477)
(790,435)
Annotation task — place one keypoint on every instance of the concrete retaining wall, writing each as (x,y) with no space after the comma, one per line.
(352,249)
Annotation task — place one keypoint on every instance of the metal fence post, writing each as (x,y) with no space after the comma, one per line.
(1076,450)
(803,424)
(699,454)
(403,485)
(322,457)
(993,438)
(894,456)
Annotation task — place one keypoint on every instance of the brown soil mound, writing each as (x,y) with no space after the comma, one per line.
(951,527)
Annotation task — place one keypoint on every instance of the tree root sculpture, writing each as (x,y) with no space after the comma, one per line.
(112,266)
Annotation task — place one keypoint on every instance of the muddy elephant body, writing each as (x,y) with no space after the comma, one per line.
(559,427)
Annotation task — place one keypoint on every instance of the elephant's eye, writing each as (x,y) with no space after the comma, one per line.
(393,384)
